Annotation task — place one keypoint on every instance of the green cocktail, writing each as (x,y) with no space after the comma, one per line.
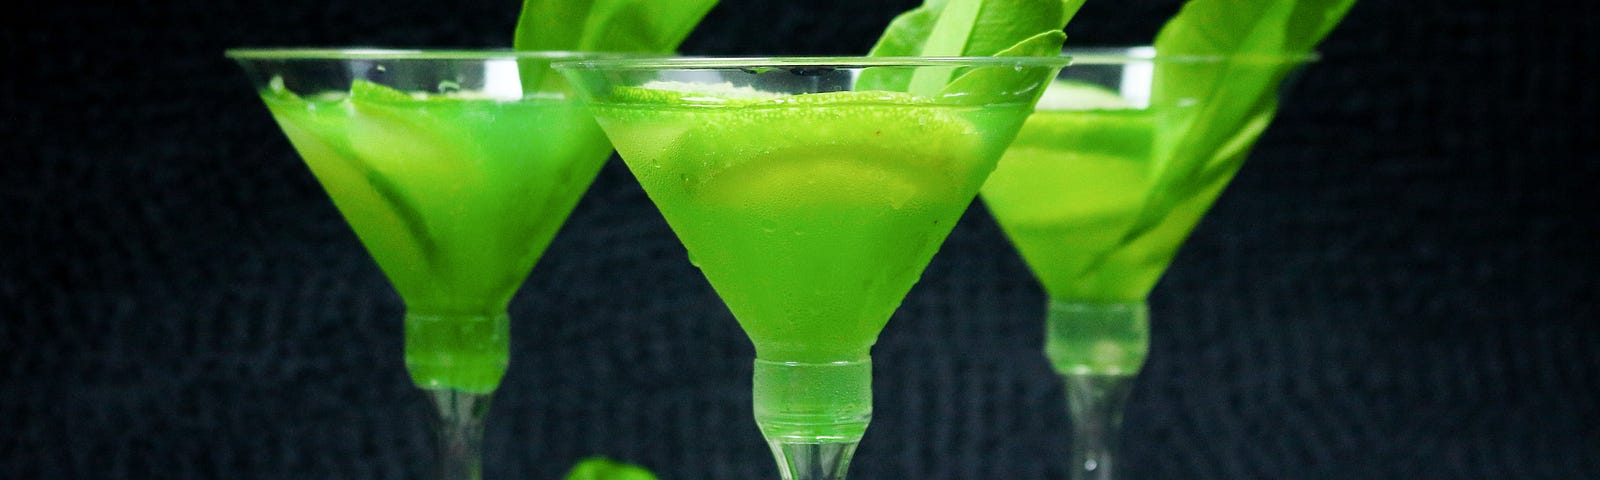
(1099,191)
(814,214)
(1072,183)
(453,201)
(455,169)
(1067,193)
(812,217)
(1123,159)
(810,204)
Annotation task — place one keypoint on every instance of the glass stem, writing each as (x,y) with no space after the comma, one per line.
(813,414)
(812,461)
(460,430)
(1095,403)
(1098,349)
(467,352)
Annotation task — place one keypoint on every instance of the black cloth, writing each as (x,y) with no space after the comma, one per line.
(1401,282)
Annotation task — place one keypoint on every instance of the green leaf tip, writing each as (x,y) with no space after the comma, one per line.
(1230,102)
(981,85)
(1234,27)
(620,26)
(977,28)
(1069,9)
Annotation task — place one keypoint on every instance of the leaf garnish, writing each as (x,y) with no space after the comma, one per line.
(1216,111)
(613,26)
(631,26)
(943,28)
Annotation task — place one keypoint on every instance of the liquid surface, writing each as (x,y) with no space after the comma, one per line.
(456,199)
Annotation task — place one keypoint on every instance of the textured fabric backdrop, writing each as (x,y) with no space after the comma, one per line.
(1400,284)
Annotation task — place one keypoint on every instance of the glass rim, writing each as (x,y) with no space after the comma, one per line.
(363,53)
(728,63)
(1114,55)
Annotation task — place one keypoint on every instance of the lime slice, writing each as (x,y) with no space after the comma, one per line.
(399,136)
(369,91)
(685,92)
(851,146)
(1076,95)
(1051,188)
(847,176)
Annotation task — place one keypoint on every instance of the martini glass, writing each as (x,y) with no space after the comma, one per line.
(455,169)
(1126,152)
(811,193)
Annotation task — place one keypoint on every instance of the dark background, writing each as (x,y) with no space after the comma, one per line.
(1400,284)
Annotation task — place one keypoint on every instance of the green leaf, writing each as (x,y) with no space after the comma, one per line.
(907,32)
(1212,112)
(960,28)
(634,26)
(1242,29)
(617,26)
(1233,93)
(1224,27)
(967,27)
(601,468)
(1069,9)
(986,85)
